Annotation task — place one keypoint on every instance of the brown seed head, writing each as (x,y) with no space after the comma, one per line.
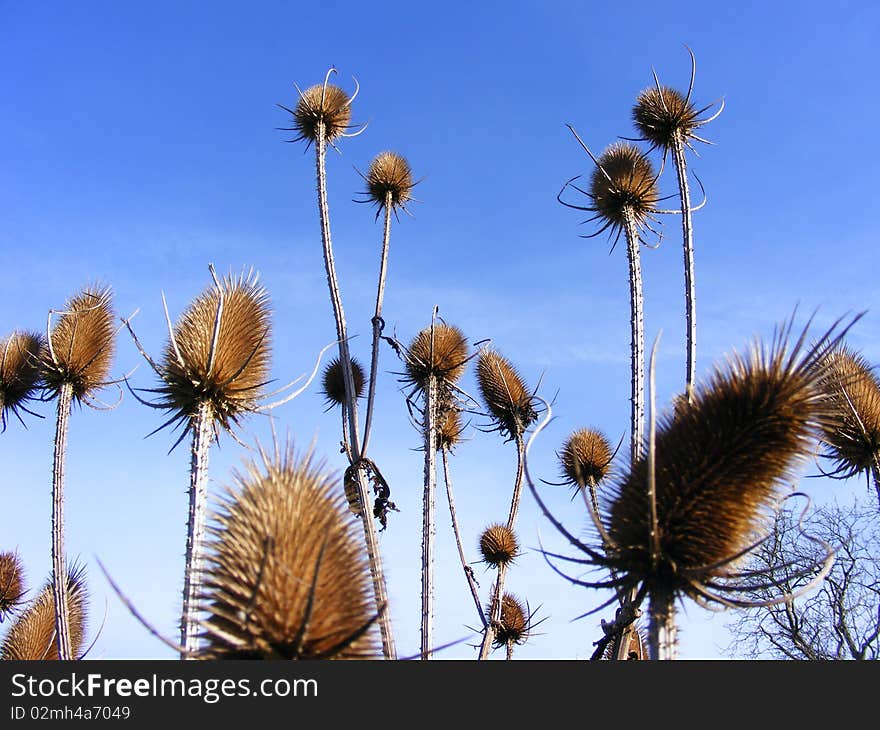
(322,103)
(334,381)
(498,545)
(661,115)
(229,371)
(19,372)
(286,577)
(513,628)
(449,429)
(719,464)
(444,358)
(389,174)
(82,344)
(630,185)
(11,583)
(32,636)
(852,391)
(505,393)
(585,457)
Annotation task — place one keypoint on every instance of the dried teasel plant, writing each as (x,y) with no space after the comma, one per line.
(286,577)
(321,116)
(19,374)
(689,510)
(498,545)
(34,637)
(12,588)
(75,365)
(667,119)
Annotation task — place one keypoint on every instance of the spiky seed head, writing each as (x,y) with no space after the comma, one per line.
(83,342)
(286,577)
(334,381)
(585,457)
(852,391)
(505,393)
(20,355)
(32,636)
(513,627)
(228,372)
(322,103)
(389,173)
(630,185)
(444,356)
(449,429)
(11,583)
(661,115)
(720,464)
(498,545)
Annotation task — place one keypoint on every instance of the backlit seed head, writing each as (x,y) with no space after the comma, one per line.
(498,545)
(11,584)
(19,373)
(225,366)
(334,381)
(628,184)
(322,103)
(449,429)
(661,115)
(286,577)
(389,174)
(585,457)
(513,627)
(443,356)
(82,344)
(505,393)
(32,636)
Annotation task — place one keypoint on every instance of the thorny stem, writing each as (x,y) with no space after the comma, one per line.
(875,470)
(688,244)
(370,537)
(59,569)
(202,433)
(377,324)
(468,571)
(517,484)
(428,518)
(637,342)
(661,626)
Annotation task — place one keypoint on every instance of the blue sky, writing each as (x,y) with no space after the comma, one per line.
(138,143)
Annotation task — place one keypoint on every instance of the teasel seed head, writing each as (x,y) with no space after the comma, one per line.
(11,584)
(661,114)
(586,456)
(20,355)
(32,636)
(509,402)
(449,429)
(230,371)
(389,173)
(334,381)
(514,626)
(444,359)
(82,344)
(626,180)
(498,545)
(286,577)
(321,103)
(720,464)
(852,392)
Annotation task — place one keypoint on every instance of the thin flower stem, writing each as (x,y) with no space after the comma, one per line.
(59,569)
(428,516)
(688,245)
(661,626)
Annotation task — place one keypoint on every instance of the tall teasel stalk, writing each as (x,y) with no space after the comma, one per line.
(510,405)
(668,120)
(322,116)
(435,359)
(19,374)
(687,512)
(213,372)
(286,577)
(623,197)
(75,365)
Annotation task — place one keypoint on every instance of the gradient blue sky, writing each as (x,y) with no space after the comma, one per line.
(138,144)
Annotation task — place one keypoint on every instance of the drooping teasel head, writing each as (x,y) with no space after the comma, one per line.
(321,104)
(334,381)
(11,584)
(440,351)
(585,457)
(852,391)
(509,401)
(389,174)
(19,373)
(498,545)
(219,352)
(514,625)
(449,429)
(81,344)
(624,180)
(286,577)
(32,636)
